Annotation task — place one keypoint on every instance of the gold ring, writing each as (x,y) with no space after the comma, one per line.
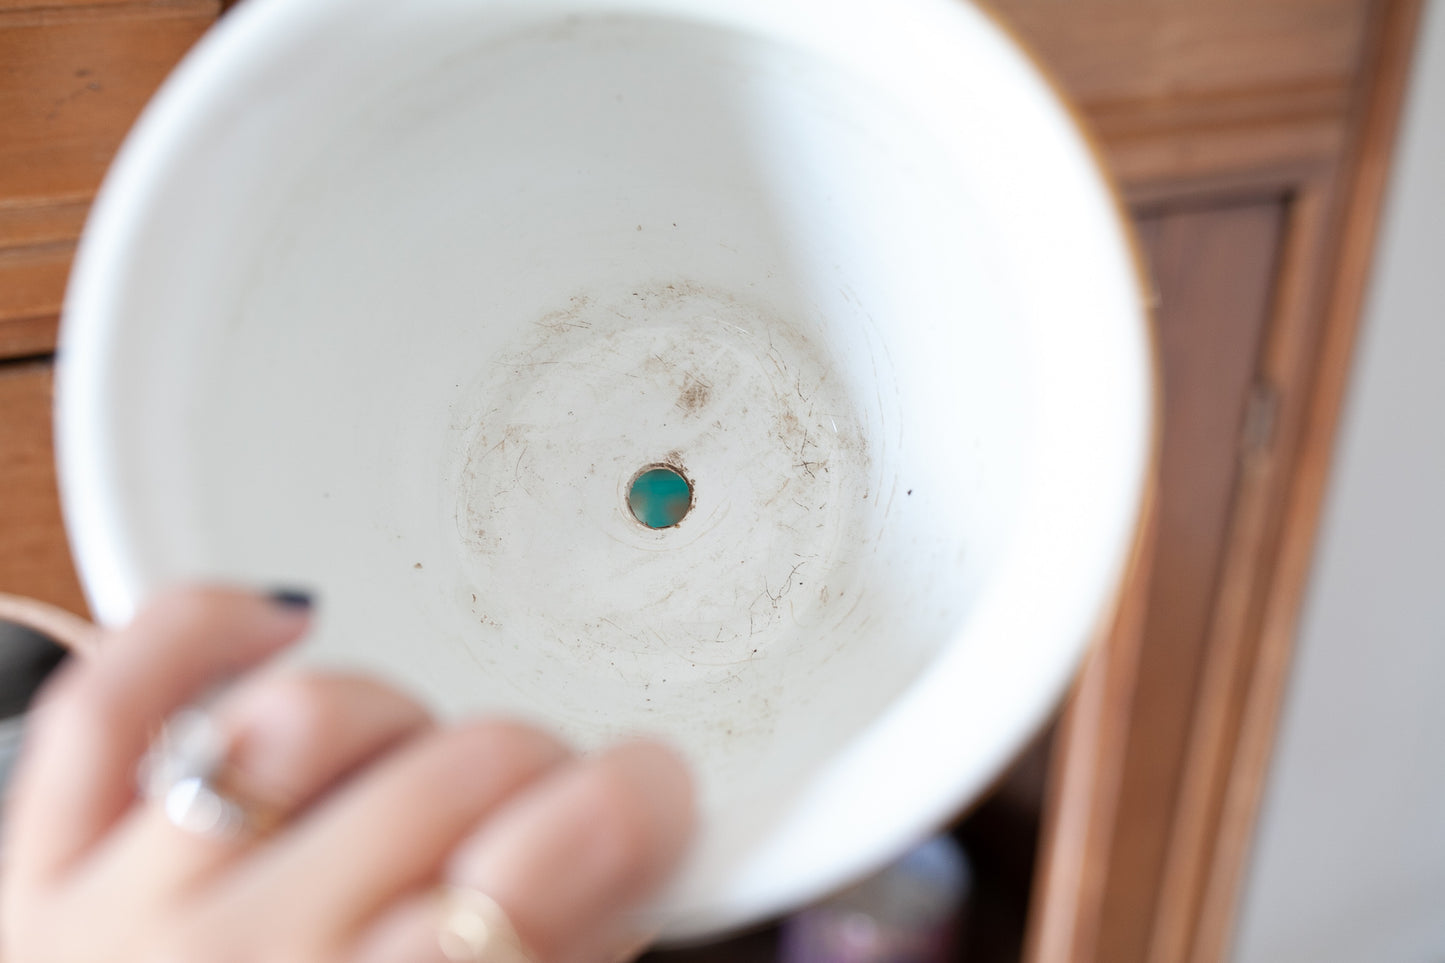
(474,929)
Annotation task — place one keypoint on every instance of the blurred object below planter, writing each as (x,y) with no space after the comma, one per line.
(913,911)
(28,655)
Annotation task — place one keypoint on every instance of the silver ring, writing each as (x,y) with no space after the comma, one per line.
(182,774)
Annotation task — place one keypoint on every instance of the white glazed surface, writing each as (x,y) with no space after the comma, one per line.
(392,300)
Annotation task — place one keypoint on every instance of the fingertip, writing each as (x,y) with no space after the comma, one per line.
(258,621)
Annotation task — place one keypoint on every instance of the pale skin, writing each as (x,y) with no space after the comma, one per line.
(380,804)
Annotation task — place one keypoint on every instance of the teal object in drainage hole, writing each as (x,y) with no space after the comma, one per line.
(659,497)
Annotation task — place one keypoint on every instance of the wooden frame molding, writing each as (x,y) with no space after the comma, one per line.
(1251,703)
(1086,772)
(1331,190)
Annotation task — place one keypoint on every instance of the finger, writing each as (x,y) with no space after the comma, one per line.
(410,932)
(297,734)
(386,833)
(567,858)
(564,859)
(77,774)
(294,736)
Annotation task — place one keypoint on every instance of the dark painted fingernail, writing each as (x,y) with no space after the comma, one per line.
(292,599)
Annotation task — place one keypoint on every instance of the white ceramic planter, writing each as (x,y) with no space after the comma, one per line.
(394,300)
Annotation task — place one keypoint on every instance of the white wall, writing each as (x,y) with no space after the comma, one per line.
(1349,863)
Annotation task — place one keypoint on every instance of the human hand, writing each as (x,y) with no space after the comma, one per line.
(374,809)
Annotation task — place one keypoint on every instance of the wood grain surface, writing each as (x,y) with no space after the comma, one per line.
(73,77)
(1214,269)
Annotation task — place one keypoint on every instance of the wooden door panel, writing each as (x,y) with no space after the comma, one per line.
(1214,270)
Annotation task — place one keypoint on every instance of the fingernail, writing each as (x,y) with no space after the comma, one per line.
(292,599)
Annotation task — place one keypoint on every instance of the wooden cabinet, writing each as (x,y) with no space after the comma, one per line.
(1250,140)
